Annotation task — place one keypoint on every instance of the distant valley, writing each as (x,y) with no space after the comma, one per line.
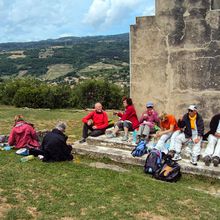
(68,59)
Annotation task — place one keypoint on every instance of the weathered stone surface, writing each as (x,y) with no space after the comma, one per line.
(175,57)
(124,156)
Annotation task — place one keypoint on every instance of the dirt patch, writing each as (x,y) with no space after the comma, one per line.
(4,207)
(149,216)
(83,211)
(211,191)
(33,212)
(108,166)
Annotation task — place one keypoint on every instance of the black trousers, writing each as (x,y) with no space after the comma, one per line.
(93,133)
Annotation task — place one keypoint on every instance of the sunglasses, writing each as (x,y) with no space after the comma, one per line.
(189,110)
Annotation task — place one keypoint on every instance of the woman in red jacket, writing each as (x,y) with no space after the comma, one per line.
(128,120)
(23,134)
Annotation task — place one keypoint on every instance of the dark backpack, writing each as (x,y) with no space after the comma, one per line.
(153,161)
(170,171)
(140,149)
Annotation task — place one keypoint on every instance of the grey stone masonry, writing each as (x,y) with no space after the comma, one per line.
(175,57)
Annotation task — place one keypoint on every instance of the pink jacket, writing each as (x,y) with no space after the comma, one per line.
(23,134)
(149,119)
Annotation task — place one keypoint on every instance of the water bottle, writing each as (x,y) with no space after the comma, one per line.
(7,148)
(134,136)
(27,158)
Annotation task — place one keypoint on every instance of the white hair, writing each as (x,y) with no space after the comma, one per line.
(61,126)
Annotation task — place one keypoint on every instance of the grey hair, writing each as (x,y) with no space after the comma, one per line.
(61,126)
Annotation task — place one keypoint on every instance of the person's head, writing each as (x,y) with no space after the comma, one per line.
(127,101)
(98,107)
(192,110)
(61,126)
(149,107)
(19,118)
(163,117)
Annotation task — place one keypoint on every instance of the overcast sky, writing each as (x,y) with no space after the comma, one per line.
(31,20)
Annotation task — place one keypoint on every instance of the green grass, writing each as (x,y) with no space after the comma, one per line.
(71,190)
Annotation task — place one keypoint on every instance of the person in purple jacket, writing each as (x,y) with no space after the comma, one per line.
(147,121)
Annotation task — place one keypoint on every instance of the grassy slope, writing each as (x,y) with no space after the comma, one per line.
(36,190)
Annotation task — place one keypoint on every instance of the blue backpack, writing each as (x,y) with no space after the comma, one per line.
(140,149)
(153,161)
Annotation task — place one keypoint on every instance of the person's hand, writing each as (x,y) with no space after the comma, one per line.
(115,113)
(217,135)
(196,140)
(89,122)
(94,127)
(158,134)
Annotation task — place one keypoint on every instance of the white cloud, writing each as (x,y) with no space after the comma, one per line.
(149,10)
(103,13)
(23,20)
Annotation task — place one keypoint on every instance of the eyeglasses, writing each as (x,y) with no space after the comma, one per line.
(189,110)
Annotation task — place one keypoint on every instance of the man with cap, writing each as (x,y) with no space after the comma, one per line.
(193,128)
(147,122)
(212,152)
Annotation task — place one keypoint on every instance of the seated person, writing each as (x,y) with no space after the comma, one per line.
(54,146)
(128,120)
(96,121)
(147,121)
(193,128)
(212,152)
(169,129)
(23,134)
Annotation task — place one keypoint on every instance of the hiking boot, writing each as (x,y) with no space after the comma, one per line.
(193,161)
(111,135)
(177,157)
(82,141)
(125,138)
(207,160)
(215,161)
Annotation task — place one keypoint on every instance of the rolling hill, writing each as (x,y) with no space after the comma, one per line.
(68,59)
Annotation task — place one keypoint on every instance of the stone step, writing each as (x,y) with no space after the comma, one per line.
(128,145)
(124,156)
(111,142)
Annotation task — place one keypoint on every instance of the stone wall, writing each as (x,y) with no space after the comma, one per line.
(175,58)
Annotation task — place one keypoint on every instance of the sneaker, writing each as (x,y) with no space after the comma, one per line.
(82,141)
(193,161)
(207,160)
(111,135)
(215,161)
(125,138)
(177,157)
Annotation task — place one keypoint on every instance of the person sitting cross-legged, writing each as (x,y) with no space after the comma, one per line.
(96,122)
(128,120)
(169,130)
(147,122)
(193,128)
(212,151)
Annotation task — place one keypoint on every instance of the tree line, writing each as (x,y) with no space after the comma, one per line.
(34,93)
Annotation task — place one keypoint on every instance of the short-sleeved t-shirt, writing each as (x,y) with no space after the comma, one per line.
(170,121)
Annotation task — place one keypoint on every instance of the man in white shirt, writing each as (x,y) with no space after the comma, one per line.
(212,152)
